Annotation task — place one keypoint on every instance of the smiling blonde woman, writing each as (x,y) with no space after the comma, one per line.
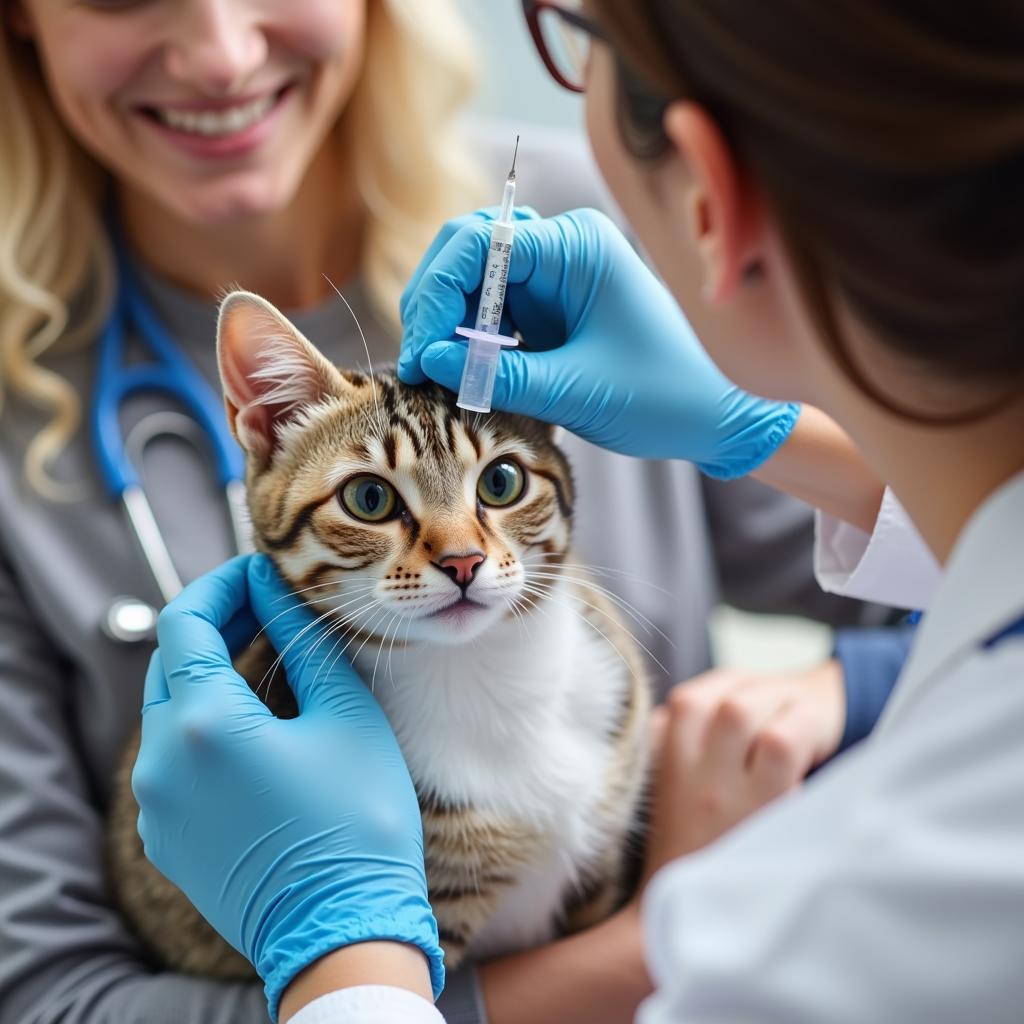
(360,144)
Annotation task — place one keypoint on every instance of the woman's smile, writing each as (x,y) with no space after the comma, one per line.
(219,129)
(211,113)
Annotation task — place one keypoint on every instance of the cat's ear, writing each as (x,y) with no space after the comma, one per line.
(268,370)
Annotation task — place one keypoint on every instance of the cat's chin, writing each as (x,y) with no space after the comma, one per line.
(459,623)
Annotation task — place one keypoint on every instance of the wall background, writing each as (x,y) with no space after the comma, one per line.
(515,70)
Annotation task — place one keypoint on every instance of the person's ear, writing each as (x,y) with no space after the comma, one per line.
(269,372)
(722,212)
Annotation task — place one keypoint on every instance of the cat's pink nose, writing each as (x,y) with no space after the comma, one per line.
(461,568)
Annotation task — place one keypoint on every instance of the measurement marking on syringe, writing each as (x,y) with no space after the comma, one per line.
(478,376)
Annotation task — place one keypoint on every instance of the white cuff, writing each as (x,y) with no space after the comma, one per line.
(892,566)
(369,1004)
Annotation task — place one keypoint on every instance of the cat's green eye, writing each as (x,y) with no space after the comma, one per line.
(369,498)
(501,483)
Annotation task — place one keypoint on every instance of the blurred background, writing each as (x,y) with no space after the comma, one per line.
(516,89)
(514,70)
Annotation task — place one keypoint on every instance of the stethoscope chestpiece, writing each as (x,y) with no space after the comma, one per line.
(130,621)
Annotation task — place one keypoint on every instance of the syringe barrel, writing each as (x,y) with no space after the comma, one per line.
(492,292)
(508,197)
(477,385)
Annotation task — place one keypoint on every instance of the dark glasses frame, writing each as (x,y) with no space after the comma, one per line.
(532,10)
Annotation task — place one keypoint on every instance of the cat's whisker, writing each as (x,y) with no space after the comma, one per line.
(352,598)
(332,612)
(610,594)
(548,582)
(544,591)
(369,359)
(338,626)
(391,646)
(346,631)
(391,649)
(340,621)
(613,569)
(364,627)
(371,634)
(630,609)
(264,628)
(513,605)
(276,663)
(513,610)
(395,616)
(544,595)
(323,586)
(368,628)
(408,628)
(373,429)
(601,570)
(344,626)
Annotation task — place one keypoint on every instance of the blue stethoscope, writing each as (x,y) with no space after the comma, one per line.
(130,619)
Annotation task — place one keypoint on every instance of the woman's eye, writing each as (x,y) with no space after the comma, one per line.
(369,498)
(501,483)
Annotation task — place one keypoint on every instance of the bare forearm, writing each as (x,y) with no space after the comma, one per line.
(594,977)
(821,465)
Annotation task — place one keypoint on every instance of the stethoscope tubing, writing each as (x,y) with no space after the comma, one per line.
(170,373)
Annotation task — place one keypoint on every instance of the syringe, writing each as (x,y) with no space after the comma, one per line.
(485,343)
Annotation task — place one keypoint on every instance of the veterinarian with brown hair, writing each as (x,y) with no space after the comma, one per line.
(269,144)
(832,192)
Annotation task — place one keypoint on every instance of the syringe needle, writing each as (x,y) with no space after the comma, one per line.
(512,173)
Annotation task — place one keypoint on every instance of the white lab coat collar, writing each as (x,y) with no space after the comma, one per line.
(982,589)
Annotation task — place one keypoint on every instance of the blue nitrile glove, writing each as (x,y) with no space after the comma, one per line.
(292,838)
(614,360)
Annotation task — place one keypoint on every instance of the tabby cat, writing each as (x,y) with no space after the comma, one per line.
(436,547)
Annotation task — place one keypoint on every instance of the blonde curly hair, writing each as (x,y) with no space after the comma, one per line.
(411,171)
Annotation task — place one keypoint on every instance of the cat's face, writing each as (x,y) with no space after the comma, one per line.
(390,509)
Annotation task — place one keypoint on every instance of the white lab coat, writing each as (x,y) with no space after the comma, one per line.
(891,887)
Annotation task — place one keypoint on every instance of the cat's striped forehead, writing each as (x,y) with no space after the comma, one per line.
(420,432)
(415,436)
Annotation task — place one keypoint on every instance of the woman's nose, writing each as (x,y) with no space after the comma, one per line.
(216,45)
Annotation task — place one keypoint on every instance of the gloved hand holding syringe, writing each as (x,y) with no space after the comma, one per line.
(485,341)
(611,356)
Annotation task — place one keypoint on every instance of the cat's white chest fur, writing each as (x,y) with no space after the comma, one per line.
(515,725)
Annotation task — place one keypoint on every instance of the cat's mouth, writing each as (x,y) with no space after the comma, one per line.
(457,609)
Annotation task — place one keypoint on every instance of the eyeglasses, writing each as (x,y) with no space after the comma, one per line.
(563,37)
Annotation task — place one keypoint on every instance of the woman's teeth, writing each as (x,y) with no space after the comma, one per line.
(217,122)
